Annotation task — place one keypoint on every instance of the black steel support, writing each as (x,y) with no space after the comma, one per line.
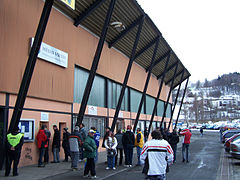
(95,62)
(181,102)
(169,68)
(160,59)
(123,33)
(146,85)
(169,94)
(175,102)
(146,47)
(30,65)
(88,11)
(158,95)
(127,75)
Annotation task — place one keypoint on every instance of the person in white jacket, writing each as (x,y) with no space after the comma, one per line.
(111,145)
(156,154)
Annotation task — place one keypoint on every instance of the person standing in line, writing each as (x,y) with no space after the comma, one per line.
(107,129)
(75,142)
(41,143)
(186,141)
(14,144)
(56,144)
(157,154)
(83,135)
(173,141)
(46,154)
(139,144)
(119,136)
(65,144)
(97,139)
(111,145)
(145,134)
(201,131)
(128,145)
(90,147)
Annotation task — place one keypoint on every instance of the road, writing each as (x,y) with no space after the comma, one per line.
(204,163)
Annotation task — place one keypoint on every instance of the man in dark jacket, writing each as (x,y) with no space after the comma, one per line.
(56,145)
(128,145)
(65,144)
(41,143)
(14,144)
(83,134)
(46,154)
(90,153)
(173,141)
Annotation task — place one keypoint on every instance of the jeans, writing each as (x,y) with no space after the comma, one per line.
(185,146)
(46,155)
(96,158)
(174,148)
(56,154)
(111,161)
(128,150)
(139,150)
(75,158)
(41,155)
(119,152)
(90,166)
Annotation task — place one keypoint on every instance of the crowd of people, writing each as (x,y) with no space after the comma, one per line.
(156,154)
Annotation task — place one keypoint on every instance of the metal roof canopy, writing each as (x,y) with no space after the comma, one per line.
(91,13)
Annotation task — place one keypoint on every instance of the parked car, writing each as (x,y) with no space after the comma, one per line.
(230,140)
(235,149)
(228,134)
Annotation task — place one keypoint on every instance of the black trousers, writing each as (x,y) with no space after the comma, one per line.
(90,166)
(119,152)
(46,155)
(12,156)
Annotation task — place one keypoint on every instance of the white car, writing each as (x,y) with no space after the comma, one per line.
(235,149)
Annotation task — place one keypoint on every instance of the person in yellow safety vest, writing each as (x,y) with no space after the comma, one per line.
(14,144)
(139,144)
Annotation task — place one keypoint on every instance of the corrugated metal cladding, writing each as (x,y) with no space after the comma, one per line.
(128,12)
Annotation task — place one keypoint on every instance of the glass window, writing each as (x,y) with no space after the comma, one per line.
(114,90)
(97,94)
(150,101)
(135,101)
(160,108)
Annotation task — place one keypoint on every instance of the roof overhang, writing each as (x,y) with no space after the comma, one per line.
(91,15)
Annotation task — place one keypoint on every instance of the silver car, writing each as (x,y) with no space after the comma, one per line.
(235,149)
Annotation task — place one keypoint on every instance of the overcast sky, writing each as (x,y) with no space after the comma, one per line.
(204,34)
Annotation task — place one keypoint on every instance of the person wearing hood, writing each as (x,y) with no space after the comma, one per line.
(65,144)
(41,143)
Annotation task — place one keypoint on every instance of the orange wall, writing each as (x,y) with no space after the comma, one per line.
(18,23)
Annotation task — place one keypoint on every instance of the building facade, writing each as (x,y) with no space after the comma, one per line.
(57,86)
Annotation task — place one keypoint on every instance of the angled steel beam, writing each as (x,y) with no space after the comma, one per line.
(124,85)
(182,80)
(181,102)
(22,93)
(88,11)
(158,95)
(95,62)
(123,33)
(146,47)
(169,94)
(171,67)
(175,101)
(146,85)
(160,59)
(179,73)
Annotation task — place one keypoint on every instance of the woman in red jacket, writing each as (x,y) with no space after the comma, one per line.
(42,143)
